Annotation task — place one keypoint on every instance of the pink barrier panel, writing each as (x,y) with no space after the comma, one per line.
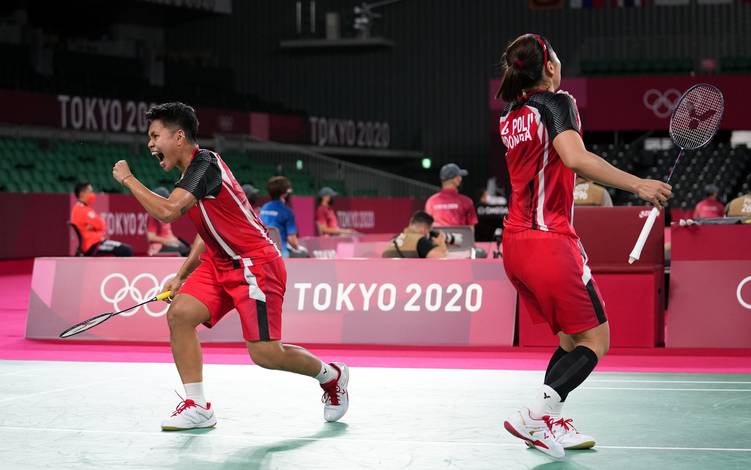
(633,305)
(710,287)
(405,302)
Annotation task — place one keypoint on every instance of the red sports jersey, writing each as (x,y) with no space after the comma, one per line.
(233,234)
(542,187)
(448,207)
(709,208)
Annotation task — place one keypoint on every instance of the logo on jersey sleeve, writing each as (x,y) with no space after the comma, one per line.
(517,130)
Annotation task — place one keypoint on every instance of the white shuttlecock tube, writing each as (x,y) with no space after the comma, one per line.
(636,252)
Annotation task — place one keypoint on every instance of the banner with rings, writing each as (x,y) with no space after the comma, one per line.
(456,302)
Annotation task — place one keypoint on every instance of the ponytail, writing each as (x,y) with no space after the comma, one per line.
(523,62)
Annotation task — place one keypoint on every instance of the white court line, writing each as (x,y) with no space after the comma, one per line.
(350,439)
(647,389)
(665,381)
(56,390)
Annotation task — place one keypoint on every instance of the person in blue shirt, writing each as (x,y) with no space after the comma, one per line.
(276,213)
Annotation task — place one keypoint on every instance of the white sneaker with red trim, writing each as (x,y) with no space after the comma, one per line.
(569,437)
(190,415)
(537,432)
(335,396)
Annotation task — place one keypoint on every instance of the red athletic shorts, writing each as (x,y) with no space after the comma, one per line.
(257,292)
(550,273)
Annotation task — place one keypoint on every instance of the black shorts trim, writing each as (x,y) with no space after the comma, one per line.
(596,302)
(263,321)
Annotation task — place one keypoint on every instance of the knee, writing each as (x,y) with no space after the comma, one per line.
(180,317)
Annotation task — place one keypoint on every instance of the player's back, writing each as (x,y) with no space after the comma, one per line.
(542,186)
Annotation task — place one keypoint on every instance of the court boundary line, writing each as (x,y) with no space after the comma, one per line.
(350,439)
(645,389)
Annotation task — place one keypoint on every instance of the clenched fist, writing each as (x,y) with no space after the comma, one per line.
(120,171)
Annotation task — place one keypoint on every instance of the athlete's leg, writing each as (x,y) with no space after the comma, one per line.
(286,357)
(184,315)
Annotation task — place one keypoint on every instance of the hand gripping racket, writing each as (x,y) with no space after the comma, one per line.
(694,122)
(101,318)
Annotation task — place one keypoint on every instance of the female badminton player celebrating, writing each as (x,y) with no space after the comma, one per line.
(232,264)
(543,257)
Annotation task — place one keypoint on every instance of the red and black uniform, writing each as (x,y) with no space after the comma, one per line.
(543,256)
(241,267)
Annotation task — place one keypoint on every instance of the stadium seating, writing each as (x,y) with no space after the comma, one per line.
(728,168)
(29,165)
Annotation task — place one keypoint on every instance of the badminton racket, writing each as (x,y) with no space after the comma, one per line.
(103,317)
(695,120)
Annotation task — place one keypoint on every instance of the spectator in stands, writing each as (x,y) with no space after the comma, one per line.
(740,206)
(276,213)
(326,217)
(447,206)
(418,240)
(252,194)
(588,193)
(91,226)
(709,207)
(160,236)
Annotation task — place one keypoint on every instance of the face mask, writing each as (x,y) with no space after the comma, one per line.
(90,199)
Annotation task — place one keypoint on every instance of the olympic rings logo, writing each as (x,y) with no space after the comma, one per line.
(132,290)
(739,290)
(662,104)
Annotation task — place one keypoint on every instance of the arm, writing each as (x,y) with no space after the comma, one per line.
(191,263)
(292,240)
(162,209)
(571,149)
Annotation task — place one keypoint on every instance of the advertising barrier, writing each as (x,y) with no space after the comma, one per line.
(439,302)
(710,287)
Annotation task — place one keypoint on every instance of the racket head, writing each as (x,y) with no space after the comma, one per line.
(86,324)
(697,116)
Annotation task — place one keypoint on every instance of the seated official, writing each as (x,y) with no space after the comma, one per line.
(418,240)
(91,226)
(710,207)
(160,236)
(588,193)
(326,221)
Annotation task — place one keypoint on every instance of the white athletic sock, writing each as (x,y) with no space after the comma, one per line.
(327,374)
(194,392)
(546,402)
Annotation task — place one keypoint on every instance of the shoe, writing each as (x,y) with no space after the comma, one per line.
(567,435)
(335,396)
(190,415)
(537,432)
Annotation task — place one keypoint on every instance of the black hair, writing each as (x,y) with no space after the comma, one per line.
(278,186)
(80,187)
(522,63)
(176,114)
(421,217)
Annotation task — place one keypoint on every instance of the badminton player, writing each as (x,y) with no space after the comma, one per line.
(232,264)
(543,257)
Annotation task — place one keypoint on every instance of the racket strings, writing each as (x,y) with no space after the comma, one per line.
(697,117)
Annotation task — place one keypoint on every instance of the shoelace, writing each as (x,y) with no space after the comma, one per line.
(549,421)
(331,393)
(566,424)
(183,405)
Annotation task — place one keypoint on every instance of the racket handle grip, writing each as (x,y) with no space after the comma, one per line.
(636,252)
(164,295)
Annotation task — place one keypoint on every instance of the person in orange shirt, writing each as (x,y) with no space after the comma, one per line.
(91,226)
